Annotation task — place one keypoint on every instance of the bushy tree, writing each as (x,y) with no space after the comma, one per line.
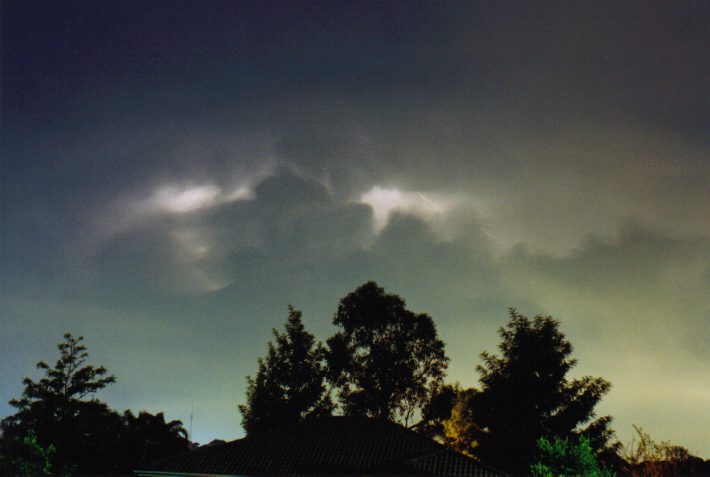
(460,428)
(526,395)
(644,457)
(149,437)
(567,458)
(29,459)
(57,431)
(52,408)
(437,411)
(290,382)
(385,361)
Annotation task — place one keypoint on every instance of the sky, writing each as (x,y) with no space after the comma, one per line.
(175,174)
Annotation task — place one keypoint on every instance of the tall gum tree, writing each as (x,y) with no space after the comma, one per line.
(386,361)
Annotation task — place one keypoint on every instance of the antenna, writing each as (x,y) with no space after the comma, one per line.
(192,408)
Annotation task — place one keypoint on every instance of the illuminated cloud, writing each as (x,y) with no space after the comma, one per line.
(193,243)
(179,201)
(127,212)
(239,193)
(385,201)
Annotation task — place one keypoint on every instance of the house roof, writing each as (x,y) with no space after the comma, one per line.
(329,445)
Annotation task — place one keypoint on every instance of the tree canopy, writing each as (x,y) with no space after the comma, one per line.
(385,361)
(526,395)
(567,458)
(64,385)
(149,437)
(53,408)
(57,430)
(644,457)
(459,428)
(290,382)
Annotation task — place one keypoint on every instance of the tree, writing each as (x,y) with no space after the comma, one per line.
(386,361)
(148,438)
(567,458)
(51,408)
(290,382)
(646,458)
(525,395)
(29,458)
(58,431)
(459,429)
(437,411)
(92,439)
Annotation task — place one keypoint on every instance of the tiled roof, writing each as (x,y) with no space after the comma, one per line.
(326,446)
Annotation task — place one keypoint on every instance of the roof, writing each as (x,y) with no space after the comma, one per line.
(329,445)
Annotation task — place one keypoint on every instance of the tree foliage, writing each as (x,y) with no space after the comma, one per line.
(57,430)
(29,459)
(437,411)
(525,395)
(460,428)
(385,361)
(53,408)
(62,386)
(290,382)
(567,458)
(149,437)
(645,457)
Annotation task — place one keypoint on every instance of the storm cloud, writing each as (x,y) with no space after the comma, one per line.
(175,174)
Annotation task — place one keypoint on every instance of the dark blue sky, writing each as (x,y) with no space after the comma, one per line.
(174,174)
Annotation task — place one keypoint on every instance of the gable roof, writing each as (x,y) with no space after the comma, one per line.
(328,445)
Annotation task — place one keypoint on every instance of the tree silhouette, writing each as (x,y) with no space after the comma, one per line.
(149,437)
(52,408)
(525,395)
(56,430)
(386,361)
(290,382)
(437,411)
(644,457)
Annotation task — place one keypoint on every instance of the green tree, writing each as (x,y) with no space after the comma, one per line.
(51,408)
(290,382)
(525,395)
(567,458)
(386,361)
(29,458)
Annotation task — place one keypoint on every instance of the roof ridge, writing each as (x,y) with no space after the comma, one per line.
(324,445)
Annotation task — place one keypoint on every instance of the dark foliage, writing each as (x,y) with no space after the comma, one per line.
(644,457)
(54,410)
(149,437)
(437,411)
(525,395)
(386,361)
(55,422)
(290,382)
